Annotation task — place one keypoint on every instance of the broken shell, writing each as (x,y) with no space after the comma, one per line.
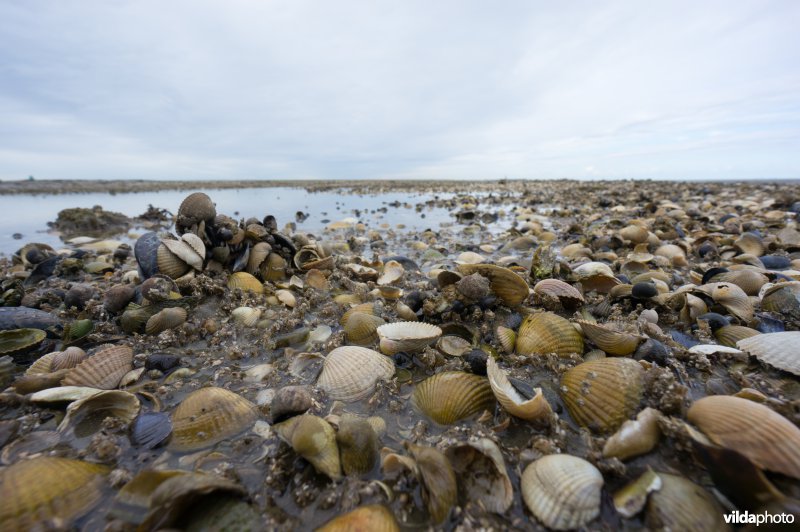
(208,416)
(102,370)
(440,491)
(635,437)
(358,445)
(16,342)
(85,416)
(62,394)
(562,491)
(372,518)
(45,488)
(568,295)
(601,394)
(38,381)
(613,342)
(450,396)
(246,316)
(482,474)
(681,504)
(314,439)
(393,271)
(245,282)
(630,500)
(169,318)
(776,349)
(768,439)
(534,409)
(286,297)
(362,328)
(507,285)
(546,332)
(408,336)
(350,373)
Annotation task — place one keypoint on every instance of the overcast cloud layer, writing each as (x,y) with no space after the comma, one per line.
(335,90)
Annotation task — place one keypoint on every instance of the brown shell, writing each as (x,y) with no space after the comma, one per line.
(102,370)
(768,439)
(783,298)
(273,268)
(680,504)
(438,478)
(358,445)
(730,334)
(507,285)
(601,394)
(365,308)
(750,281)
(245,282)
(314,439)
(731,297)
(169,318)
(169,263)
(776,349)
(535,409)
(408,336)
(613,342)
(45,488)
(450,396)
(362,328)
(208,416)
(351,373)
(370,518)
(566,293)
(196,207)
(258,254)
(635,233)
(546,332)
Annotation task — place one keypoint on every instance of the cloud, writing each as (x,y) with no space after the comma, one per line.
(439,90)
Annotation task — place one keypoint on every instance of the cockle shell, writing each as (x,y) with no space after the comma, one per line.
(613,342)
(393,271)
(169,318)
(57,360)
(635,233)
(750,281)
(562,491)
(38,490)
(776,349)
(482,475)
(246,316)
(365,308)
(208,416)
(730,296)
(568,295)
(438,479)
(102,370)
(680,504)
(601,394)
(362,328)
(85,416)
(507,338)
(273,268)
(408,336)
(195,208)
(546,332)
(370,518)
(258,254)
(507,285)
(358,445)
(168,262)
(450,396)
(20,341)
(729,335)
(314,439)
(350,373)
(596,276)
(245,282)
(635,437)
(750,243)
(768,439)
(535,409)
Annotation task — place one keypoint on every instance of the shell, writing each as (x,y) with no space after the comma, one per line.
(405,312)
(535,409)
(601,394)
(85,416)
(71,489)
(595,276)
(765,437)
(630,499)
(62,394)
(482,474)
(613,342)
(635,233)
(750,281)
(195,208)
(731,297)
(365,308)
(783,298)
(20,341)
(362,328)
(258,254)
(568,295)
(350,373)
(103,370)
(450,396)
(730,334)
(562,491)
(470,257)
(507,285)
(151,429)
(453,346)
(169,318)
(192,254)
(438,479)
(546,332)
(38,381)
(68,358)
(681,504)
(208,416)
(314,439)
(43,364)
(168,262)
(408,336)
(286,297)
(635,437)
(776,349)
(750,243)
(393,271)
(506,337)
(245,282)
(372,518)
(246,316)
(358,445)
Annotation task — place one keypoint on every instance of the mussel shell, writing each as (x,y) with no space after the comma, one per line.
(546,332)
(102,370)
(776,349)
(146,252)
(350,373)
(208,416)
(372,518)
(151,429)
(450,396)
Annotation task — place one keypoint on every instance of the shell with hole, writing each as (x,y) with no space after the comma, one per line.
(350,373)
(314,439)
(450,396)
(102,370)
(408,336)
(482,475)
(535,409)
(546,332)
(562,491)
(208,416)
(601,394)
(612,341)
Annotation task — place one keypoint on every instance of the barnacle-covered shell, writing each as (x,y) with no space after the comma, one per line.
(350,373)
(358,445)
(408,336)
(85,416)
(546,332)
(314,439)
(169,318)
(46,488)
(208,416)
(568,295)
(482,475)
(776,349)
(370,518)
(635,437)
(681,504)
(613,342)
(562,491)
(765,437)
(20,341)
(440,491)
(601,394)
(102,370)
(245,282)
(534,409)
(452,395)
(507,285)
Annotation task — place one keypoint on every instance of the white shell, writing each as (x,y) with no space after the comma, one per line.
(776,349)
(407,336)
(350,373)
(534,409)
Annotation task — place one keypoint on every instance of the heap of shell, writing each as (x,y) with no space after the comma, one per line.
(548,351)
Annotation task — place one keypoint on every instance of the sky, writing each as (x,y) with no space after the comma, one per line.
(293,89)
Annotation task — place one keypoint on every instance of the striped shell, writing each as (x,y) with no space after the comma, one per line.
(57,360)
(102,370)
(507,285)
(45,488)
(246,316)
(567,294)
(450,396)
(258,254)
(481,473)
(365,308)
(408,336)
(601,394)
(314,439)
(730,334)
(506,337)
(169,318)
(168,262)
(535,409)
(562,491)
(195,208)
(596,276)
(362,328)
(680,504)
(768,439)
(611,341)
(245,282)
(373,518)
(776,349)
(731,297)
(350,373)
(750,281)
(85,416)
(208,416)
(546,332)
